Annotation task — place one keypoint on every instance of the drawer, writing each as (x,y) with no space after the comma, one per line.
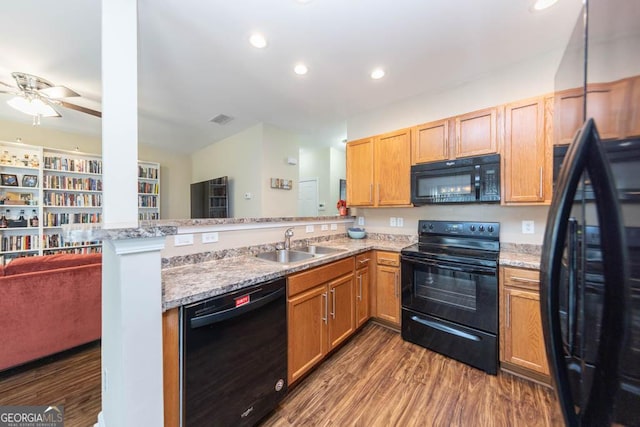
(363,260)
(301,282)
(521,278)
(388,258)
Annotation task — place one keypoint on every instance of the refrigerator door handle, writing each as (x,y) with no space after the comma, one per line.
(585,153)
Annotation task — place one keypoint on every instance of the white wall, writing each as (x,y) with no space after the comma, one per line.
(315,163)
(338,171)
(240,158)
(522,80)
(510,219)
(277,146)
(175,168)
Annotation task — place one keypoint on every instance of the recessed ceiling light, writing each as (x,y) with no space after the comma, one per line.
(258,40)
(543,4)
(303,1)
(300,69)
(378,73)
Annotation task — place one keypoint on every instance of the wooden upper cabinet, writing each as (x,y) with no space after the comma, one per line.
(567,115)
(430,142)
(632,125)
(393,168)
(360,172)
(526,160)
(606,103)
(476,133)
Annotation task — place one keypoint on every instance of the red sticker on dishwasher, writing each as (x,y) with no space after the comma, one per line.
(243,300)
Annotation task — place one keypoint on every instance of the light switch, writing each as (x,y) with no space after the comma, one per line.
(334,226)
(360,220)
(310,228)
(392,221)
(324,227)
(400,222)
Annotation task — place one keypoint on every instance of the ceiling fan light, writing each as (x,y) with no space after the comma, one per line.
(33,107)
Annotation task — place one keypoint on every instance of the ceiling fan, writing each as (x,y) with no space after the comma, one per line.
(37,97)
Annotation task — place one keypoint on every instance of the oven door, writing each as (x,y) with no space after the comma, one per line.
(462,293)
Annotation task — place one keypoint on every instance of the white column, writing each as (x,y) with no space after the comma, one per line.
(132,333)
(120,113)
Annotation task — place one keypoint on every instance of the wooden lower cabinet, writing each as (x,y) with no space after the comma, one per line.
(320,307)
(522,348)
(387,279)
(171,367)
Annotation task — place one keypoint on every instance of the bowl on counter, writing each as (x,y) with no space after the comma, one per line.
(356,233)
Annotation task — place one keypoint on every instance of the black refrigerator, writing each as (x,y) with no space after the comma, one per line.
(590,265)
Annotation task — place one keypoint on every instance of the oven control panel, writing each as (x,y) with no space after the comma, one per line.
(460,228)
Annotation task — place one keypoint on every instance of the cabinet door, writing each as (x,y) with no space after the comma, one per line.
(633,120)
(523,341)
(430,142)
(388,293)
(363,280)
(360,172)
(525,166)
(568,115)
(341,313)
(393,168)
(307,331)
(606,104)
(476,133)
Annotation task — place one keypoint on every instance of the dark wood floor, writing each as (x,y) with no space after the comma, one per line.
(71,379)
(376,379)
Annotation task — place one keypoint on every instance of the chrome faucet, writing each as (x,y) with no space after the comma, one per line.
(287,238)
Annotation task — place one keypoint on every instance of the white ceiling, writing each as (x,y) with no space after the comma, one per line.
(195,61)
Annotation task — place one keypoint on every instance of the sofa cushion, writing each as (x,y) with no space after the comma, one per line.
(49,262)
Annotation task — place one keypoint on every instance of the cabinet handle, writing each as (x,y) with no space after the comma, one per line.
(360,293)
(364,261)
(525,280)
(395,290)
(371,193)
(541,186)
(508,311)
(378,192)
(333,303)
(326,303)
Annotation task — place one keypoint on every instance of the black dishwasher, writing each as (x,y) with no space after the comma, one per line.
(235,356)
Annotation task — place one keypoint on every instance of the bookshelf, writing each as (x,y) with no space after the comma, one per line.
(46,194)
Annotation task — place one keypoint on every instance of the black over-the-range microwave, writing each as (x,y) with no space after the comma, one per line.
(467,180)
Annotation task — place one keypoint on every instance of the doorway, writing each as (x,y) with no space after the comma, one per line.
(308,197)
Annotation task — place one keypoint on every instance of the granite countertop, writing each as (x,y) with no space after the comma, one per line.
(523,256)
(194,282)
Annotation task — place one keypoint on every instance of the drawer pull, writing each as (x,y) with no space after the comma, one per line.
(525,280)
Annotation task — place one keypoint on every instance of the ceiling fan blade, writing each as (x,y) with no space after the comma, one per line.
(4,84)
(9,92)
(80,108)
(56,92)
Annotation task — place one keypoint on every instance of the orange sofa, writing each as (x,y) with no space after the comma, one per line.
(48,304)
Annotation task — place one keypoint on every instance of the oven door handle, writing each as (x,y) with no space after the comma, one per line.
(490,271)
(445,328)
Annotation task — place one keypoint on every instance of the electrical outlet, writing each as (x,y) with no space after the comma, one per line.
(400,222)
(209,237)
(310,228)
(248,196)
(392,221)
(183,240)
(360,220)
(334,227)
(324,227)
(528,227)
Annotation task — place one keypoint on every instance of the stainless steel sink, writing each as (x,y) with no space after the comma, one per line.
(319,250)
(284,256)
